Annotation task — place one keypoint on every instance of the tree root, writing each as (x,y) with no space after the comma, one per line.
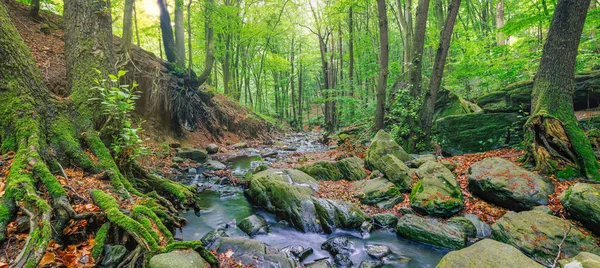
(132,258)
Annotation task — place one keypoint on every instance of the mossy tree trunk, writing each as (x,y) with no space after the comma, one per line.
(556,143)
(47,133)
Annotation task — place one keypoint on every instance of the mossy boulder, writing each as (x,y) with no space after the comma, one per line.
(448,103)
(437,193)
(539,236)
(420,160)
(212,236)
(339,245)
(378,192)
(517,96)
(482,228)
(487,253)
(319,264)
(503,183)
(582,200)
(472,133)
(179,259)
(289,194)
(463,224)
(583,260)
(381,145)
(255,253)
(385,220)
(396,171)
(430,231)
(197,155)
(351,168)
(254,225)
(322,170)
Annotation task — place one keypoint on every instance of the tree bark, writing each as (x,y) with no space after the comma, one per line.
(351,57)
(189,23)
(34,10)
(210,43)
(167,33)
(415,74)
(437,74)
(500,22)
(127,37)
(179,33)
(556,143)
(383,66)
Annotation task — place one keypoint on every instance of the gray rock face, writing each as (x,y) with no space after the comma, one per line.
(501,182)
(483,229)
(379,192)
(430,231)
(254,252)
(212,148)
(339,245)
(381,145)
(351,168)
(370,264)
(214,235)
(487,253)
(463,224)
(538,235)
(377,251)
(319,264)
(342,261)
(289,194)
(215,165)
(582,200)
(197,155)
(179,259)
(254,225)
(437,193)
(395,171)
(385,220)
(420,160)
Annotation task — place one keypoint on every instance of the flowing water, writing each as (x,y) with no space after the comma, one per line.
(223,204)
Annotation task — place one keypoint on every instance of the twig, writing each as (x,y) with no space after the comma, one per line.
(560,247)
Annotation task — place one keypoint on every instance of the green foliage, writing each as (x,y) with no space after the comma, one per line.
(118,101)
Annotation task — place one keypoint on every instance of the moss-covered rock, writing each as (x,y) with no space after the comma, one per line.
(501,182)
(487,253)
(582,200)
(179,259)
(463,224)
(396,171)
(420,160)
(479,132)
(254,225)
(289,194)
(212,236)
(583,260)
(448,104)
(254,252)
(430,231)
(379,192)
(385,220)
(437,193)
(351,168)
(322,170)
(198,155)
(539,236)
(517,96)
(381,145)
(482,228)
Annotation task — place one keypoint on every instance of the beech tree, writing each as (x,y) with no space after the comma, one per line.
(383,65)
(555,140)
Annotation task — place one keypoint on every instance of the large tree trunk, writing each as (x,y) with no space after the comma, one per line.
(167,33)
(500,22)
(210,42)
(179,33)
(383,65)
(127,36)
(555,140)
(416,67)
(34,10)
(438,70)
(47,134)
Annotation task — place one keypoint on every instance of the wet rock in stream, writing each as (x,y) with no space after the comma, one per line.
(254,252)
(254,225)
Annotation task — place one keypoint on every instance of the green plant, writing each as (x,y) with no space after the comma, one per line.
(118,102)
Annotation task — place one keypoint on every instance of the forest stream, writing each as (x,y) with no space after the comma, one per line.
(223,205)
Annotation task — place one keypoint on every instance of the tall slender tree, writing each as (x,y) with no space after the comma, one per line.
(167,32)
(383,65)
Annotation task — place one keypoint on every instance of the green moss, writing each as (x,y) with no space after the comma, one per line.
(567,173)
(64,138)
(104,200)
(99,240)
(322,171)
(9,144)
(117,217)
(142,210)
(53,187)
(417,188)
